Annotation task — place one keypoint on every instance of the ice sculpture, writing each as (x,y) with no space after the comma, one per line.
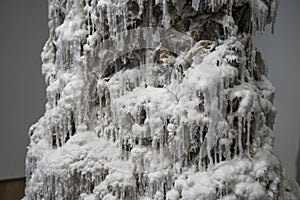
(156,99)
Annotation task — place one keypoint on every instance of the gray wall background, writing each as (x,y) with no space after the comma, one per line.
(23,31)
(282,53)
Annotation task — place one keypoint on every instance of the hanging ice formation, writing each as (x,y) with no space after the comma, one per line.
(156,99)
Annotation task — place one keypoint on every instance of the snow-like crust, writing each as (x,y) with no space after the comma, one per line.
(156,99)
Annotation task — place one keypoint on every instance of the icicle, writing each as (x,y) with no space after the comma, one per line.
(150,12)
(182,141)
(220,152)
(230,5)
(220,94)
(240,132)
(200,152)
(248,133)
(141,7)
(195,4)
(166,16)
(215,154)
(191,133)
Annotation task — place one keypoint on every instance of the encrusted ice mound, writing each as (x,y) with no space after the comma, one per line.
(156,99)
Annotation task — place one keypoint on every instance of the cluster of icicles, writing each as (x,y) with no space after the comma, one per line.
(144,123)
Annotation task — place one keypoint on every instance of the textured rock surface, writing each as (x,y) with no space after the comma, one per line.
(156,100)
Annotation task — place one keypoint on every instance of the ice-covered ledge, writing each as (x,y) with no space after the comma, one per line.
(156,100)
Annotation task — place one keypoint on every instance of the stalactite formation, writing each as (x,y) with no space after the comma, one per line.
(156,99)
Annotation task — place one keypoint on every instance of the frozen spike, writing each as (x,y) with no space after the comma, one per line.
(195,4)
(240,134)
(166,16)
(249,117)
(220,152)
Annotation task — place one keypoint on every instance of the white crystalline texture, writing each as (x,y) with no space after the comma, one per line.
(156,99)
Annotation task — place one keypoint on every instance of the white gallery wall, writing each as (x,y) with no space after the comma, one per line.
(24,30)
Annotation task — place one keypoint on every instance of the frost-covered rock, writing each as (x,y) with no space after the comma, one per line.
(156,99)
